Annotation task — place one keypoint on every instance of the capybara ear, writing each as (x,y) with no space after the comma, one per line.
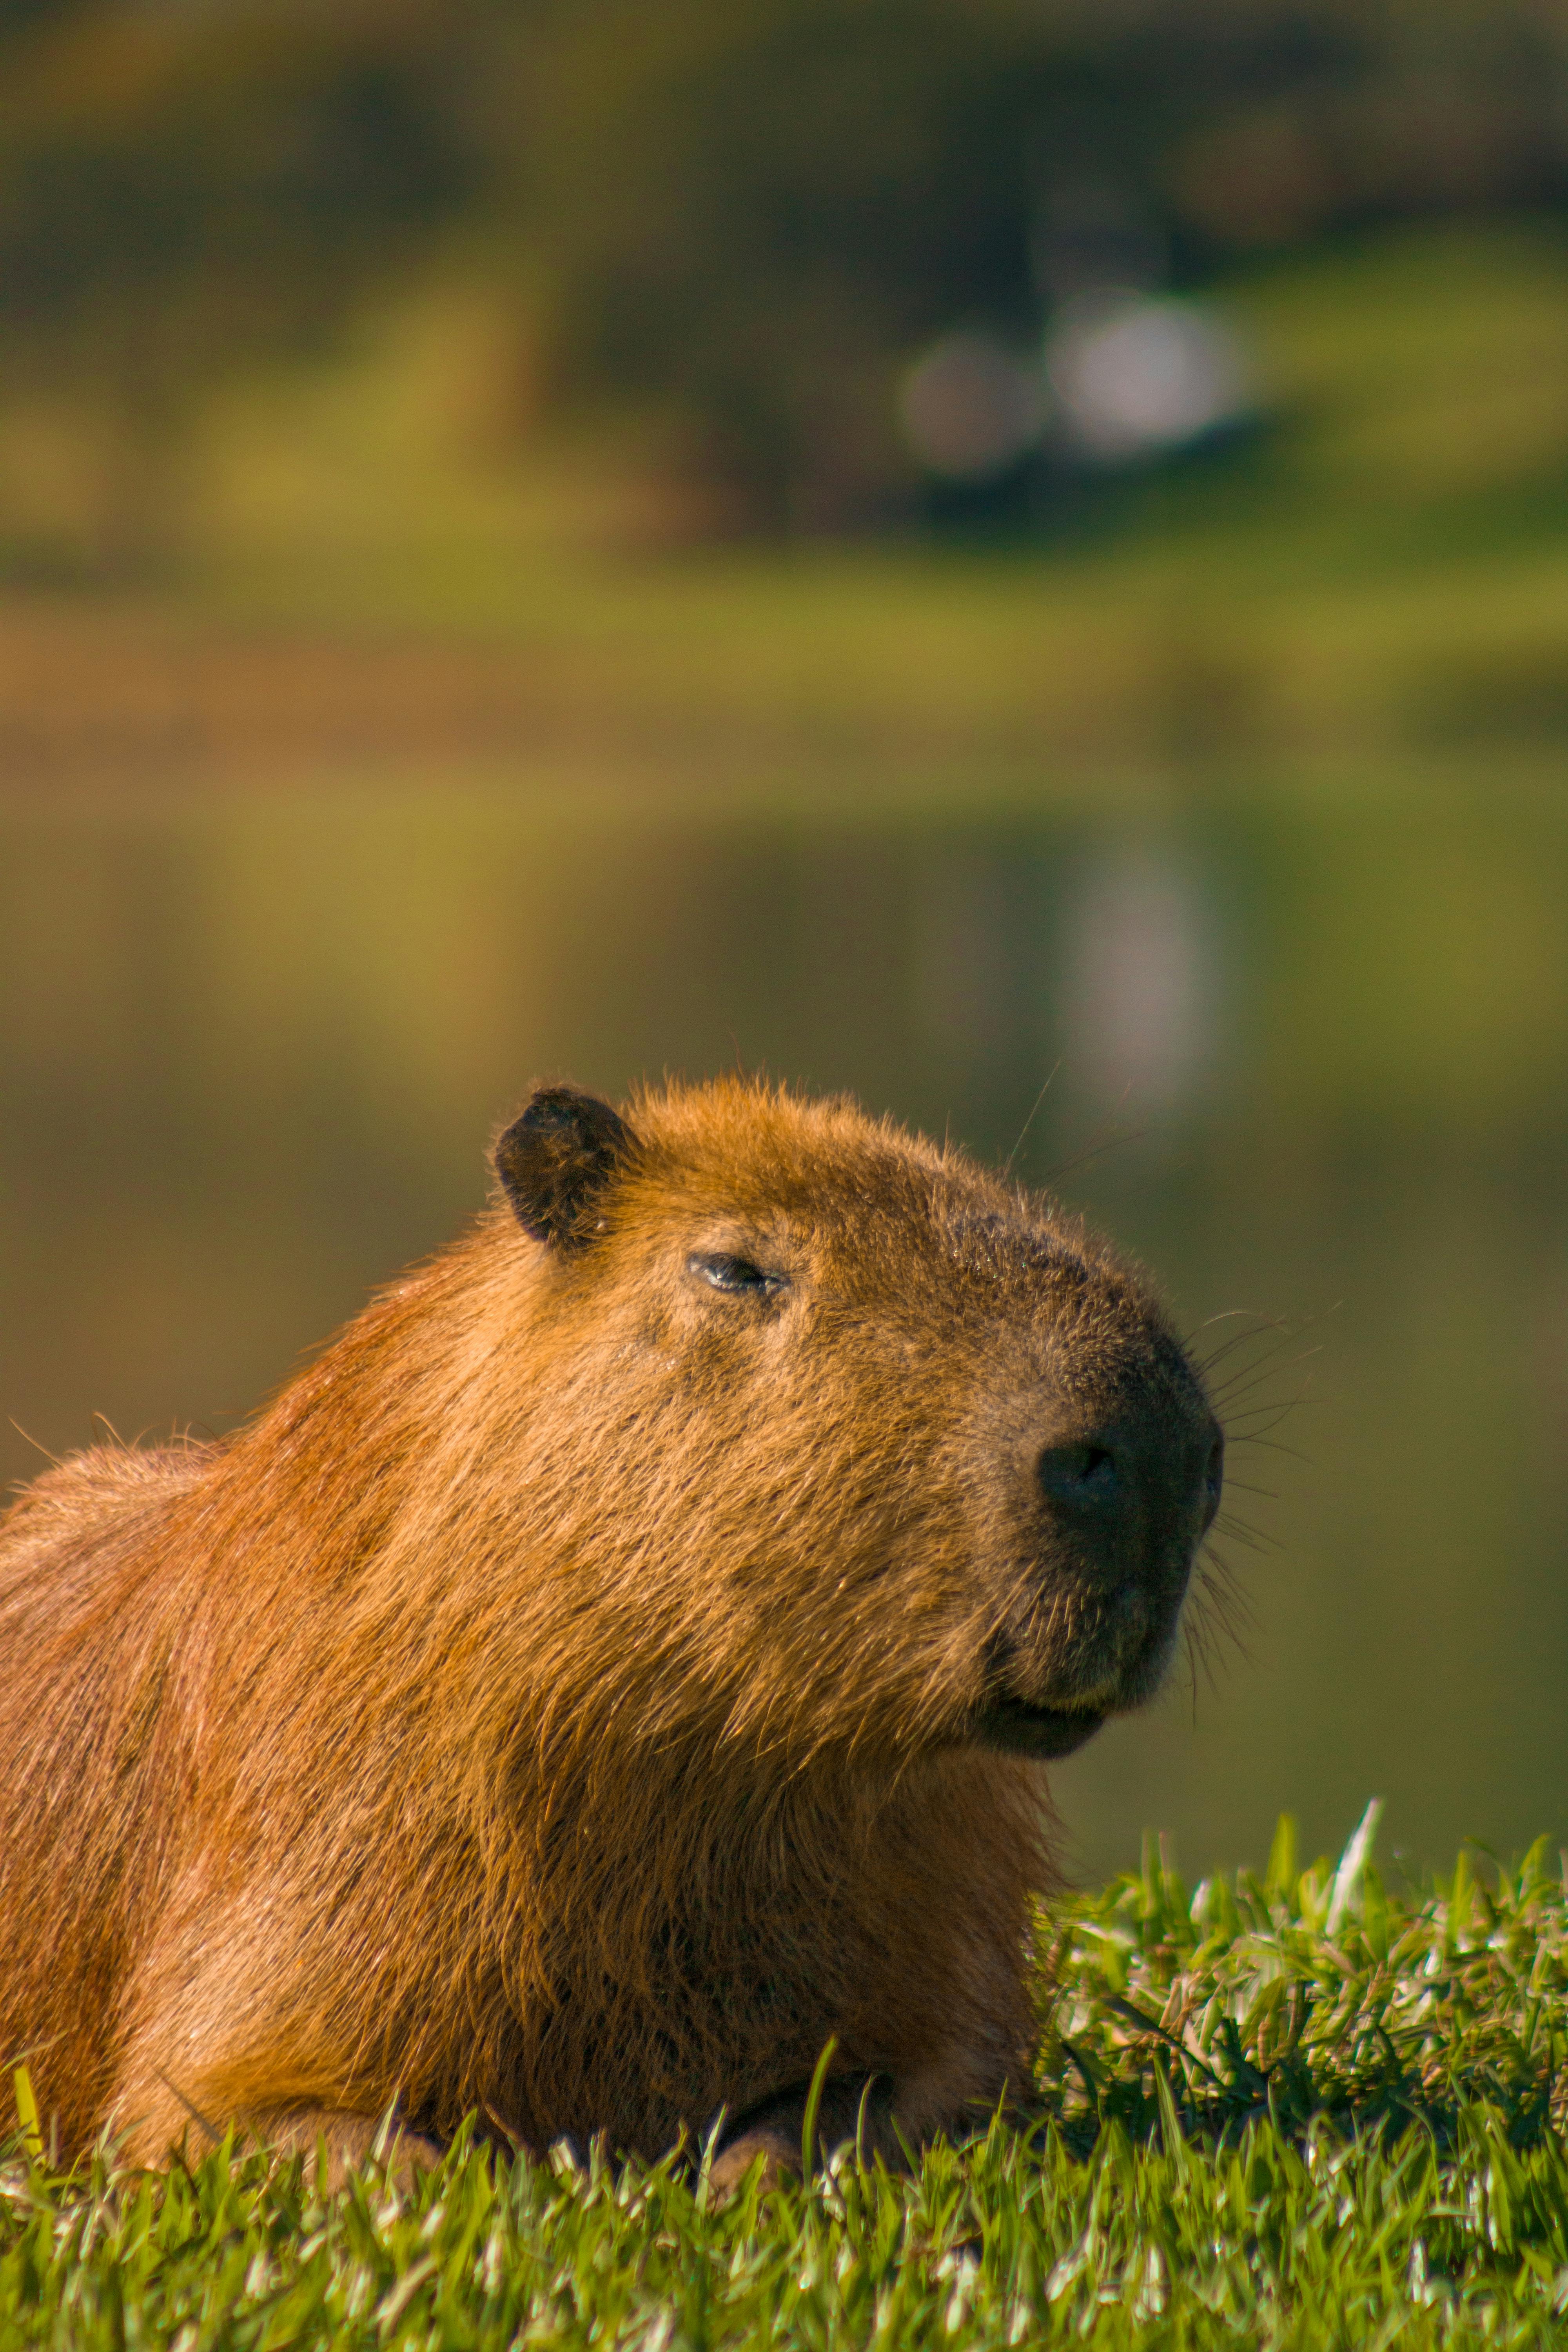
(556,1159)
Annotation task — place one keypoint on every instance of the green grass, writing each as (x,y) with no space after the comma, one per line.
(1304,2110)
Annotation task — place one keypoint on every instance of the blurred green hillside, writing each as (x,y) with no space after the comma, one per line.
(335,337)
(374,567)
(721,232)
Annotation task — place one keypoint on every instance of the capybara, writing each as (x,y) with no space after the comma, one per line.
(620,1664)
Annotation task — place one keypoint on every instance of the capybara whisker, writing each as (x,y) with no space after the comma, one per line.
(1241,1531)
(621,1667)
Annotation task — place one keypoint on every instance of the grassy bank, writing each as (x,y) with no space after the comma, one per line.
(1306,2111)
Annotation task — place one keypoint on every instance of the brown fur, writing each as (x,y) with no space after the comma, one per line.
(568,1699)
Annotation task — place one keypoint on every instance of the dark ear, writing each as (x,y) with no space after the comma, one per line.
(556,1160)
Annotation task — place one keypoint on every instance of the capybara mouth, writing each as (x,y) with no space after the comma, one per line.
(1020,1730)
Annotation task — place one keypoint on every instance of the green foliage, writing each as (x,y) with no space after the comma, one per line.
(756,214)
(183,192)
(759,215)
(751,218)
(1303,2110)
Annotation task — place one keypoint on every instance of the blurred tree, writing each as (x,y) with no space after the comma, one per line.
(185,188)
(752,216)
(757,214)
(754,212)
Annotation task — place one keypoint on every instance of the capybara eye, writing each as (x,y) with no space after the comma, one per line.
(739,1273)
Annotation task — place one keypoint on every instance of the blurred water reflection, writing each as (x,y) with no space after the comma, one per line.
(1141,1004)
(1311,1061)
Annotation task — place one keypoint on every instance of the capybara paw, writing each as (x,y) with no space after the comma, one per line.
(348,2142)
(409,2154)
(778,2155)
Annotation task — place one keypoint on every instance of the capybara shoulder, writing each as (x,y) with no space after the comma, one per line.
(620,1664)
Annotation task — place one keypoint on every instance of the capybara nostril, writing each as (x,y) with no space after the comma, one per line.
(1087,1478)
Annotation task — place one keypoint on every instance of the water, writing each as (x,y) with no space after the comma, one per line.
(1307,1054)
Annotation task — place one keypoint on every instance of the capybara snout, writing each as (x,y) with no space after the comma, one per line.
(617,1667)
(1116,1478)
(1128,1498)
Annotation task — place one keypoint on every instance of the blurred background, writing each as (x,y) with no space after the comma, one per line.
(1008,555)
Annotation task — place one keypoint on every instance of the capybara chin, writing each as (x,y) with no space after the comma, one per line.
(623,1662)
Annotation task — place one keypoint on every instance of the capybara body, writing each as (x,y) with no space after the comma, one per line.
(621,1663)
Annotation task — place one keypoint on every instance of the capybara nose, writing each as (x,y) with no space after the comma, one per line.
(1115,1486)
(1089,1480)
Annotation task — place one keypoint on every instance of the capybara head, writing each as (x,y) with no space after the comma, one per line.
(874,1452)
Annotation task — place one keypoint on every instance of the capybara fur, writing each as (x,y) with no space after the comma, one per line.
(621,1664)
